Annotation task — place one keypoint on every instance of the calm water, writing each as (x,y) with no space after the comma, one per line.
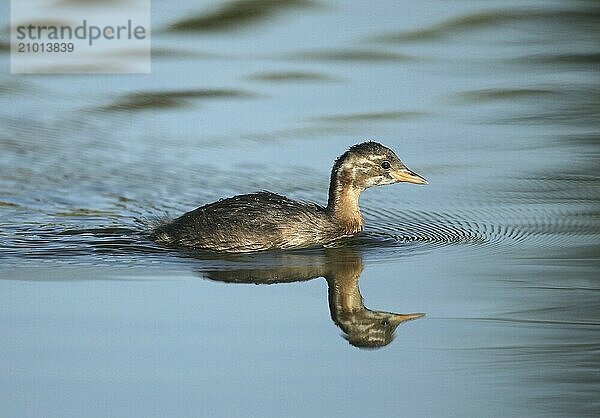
(496,103)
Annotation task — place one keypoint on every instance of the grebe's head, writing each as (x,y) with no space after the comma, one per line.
(372,329)
(372,164)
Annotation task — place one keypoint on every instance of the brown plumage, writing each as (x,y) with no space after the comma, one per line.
(265,220)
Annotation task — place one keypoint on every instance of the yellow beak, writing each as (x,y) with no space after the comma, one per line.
(399,318)
(407,176)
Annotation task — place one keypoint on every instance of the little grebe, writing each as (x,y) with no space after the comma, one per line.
(265,220)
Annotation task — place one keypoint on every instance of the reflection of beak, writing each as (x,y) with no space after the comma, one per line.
(398,318)
(408,176)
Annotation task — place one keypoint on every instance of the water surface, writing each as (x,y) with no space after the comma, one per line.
(496,103)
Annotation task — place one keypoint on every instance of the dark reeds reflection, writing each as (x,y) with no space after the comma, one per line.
(341,268)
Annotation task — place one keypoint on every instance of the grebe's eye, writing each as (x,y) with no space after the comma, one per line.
(386,165)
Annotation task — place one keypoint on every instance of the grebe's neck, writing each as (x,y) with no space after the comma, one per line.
(343,199)
(345,299)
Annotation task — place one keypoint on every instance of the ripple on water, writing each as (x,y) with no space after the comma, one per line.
(531,212)
(488,227)
(350,55)
(387,233)
(79,244)
(144,100)
(234,15)
(416,226)
(291,77)
(583,17)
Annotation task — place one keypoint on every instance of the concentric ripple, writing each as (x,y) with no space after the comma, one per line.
(484,226)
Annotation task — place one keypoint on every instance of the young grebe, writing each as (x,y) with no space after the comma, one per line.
(265,220)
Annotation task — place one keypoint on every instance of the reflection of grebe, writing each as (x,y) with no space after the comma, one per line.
(341,267)
(363,327)
(264,220)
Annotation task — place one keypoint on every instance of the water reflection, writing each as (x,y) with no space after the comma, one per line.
(349,55)
(584,19)
(291,77)
(165,99)
(235,14)
(341,268)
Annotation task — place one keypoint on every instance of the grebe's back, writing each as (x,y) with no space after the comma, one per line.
(250,222)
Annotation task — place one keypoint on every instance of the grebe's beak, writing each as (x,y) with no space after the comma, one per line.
(397,319)
(408,176)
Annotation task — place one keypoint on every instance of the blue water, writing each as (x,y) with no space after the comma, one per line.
(495,103)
